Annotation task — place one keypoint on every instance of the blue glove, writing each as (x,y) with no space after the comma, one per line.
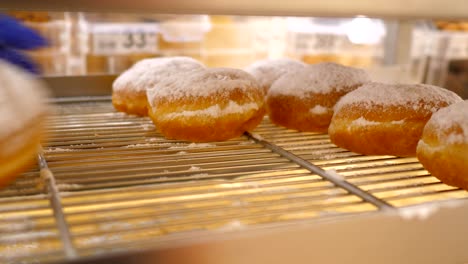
(15,37)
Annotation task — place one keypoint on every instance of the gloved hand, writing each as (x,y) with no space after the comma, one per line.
(15,37)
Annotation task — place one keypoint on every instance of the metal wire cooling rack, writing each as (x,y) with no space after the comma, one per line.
(108,182)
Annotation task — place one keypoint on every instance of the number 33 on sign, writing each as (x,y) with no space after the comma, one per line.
(124,38)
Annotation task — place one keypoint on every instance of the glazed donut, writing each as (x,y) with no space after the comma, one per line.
(443,148)
(211,105)
(386,119)
(22,117)
(268,71)
(304,99)
(129,89)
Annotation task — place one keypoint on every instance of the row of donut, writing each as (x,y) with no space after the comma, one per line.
(188,101)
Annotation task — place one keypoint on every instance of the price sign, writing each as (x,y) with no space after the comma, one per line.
(124,38)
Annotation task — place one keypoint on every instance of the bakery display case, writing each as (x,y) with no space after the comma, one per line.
(110,43)
(447,55)
(109,188)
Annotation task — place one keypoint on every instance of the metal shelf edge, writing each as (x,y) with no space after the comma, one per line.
(374,8)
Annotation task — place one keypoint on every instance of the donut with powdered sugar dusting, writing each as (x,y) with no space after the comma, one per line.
(386,119)
(443,148)
(209,105)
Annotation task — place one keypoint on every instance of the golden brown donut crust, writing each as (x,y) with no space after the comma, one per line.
(198,130)
(447,163)
(294,112)
(383,138)
(130,102)
(22,158)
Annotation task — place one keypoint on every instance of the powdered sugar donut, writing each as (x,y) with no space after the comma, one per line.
(210,105)
(129,89)
(304,99)
(386,119)
(268,71)
(443,148)
(22,113)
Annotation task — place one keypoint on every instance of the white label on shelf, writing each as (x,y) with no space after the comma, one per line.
(421,43)
(124,38)
(175,31)
(458,46)
(318,43)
